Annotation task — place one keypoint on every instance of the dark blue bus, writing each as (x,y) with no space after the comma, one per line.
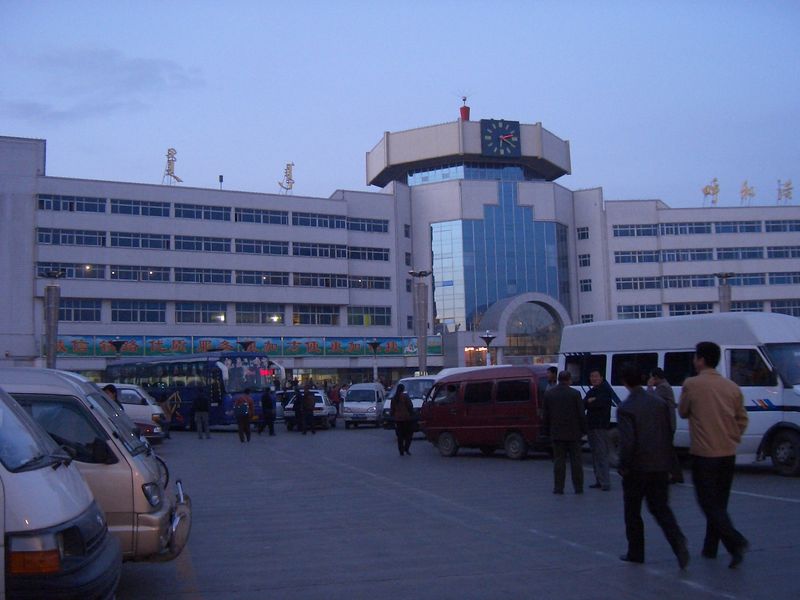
(179,380)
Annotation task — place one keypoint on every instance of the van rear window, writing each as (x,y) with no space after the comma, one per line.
(518,390)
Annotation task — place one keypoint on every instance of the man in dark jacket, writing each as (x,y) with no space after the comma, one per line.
(645,458)
(564,422)
(268,403)
(598,401)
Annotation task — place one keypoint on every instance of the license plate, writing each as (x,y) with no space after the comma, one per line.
(359,416)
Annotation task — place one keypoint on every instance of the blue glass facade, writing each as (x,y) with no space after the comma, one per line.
(478,262)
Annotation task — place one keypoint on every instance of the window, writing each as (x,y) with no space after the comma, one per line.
(70,237)
(636,256)
(647,361)
(369,282)
(152,241)
(635,230)
(408,259)
(739,253)
(259,313)
(748,369)
(518,390)
(583,233)
(408,285)
(580,365)
(71,270)
(368,225)
(197,243)
(190,275)
(783,252)
(748,279)
(784,278)
(783,226)
(786,307)
(65,419)
(320,250)
(690,308)
(315,314)
(262,278)
(587,318)
(369,315)
(257,215)
(145,208)
(584,260)
(638,283)
(478,393)
(363,253)
(747,306)
(678,366)
(138,311)
(202,211)
(78,309)
(137,273)
(687,254)
(638,311)
(71,203)
(268,247)
(687,281)
(407,230)
(409,322)
(685,228)
(585,285)
(324,280)
(303,219)
(737,227)
(200,312)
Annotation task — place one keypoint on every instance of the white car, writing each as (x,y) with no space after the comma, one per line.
(142,409)
(364,404)
(324,411)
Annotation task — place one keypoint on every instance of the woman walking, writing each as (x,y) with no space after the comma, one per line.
(402,411)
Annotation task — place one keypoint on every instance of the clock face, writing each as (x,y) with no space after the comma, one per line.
(500,138)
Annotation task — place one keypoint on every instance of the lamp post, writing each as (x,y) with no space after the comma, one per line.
(724,291)
(374,345)
(487,338)
(52,300)
(420,299)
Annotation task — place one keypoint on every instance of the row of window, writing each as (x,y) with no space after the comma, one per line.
(203,275)
(699,254)
(261,313)
(209,213)
(694,281)
(653,229)
(650,311)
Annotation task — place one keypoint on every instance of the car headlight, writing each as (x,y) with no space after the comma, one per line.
(371,409)
(35,554)
(153,494)
(347,409)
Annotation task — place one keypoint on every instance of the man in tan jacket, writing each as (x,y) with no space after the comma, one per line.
(717,418)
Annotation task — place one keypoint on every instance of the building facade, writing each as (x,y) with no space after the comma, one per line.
(163,269)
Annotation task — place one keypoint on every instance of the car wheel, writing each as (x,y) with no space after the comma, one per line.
(487,450)
(333,422)
(447,444)
(515,446)
(786,452)
(355,425)
(289,426)
(347,424)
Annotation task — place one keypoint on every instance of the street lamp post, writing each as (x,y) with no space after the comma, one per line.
(420,299)
(52,300)
(487,338)
(374,345)
(724,291)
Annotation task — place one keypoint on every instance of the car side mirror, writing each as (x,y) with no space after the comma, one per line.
(101,453)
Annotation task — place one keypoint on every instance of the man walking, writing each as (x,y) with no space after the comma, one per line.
(402,411)
(268,405)
(598,402)
(309,400)
(243,408)
(645,457)
(564,422)
(201,408)
(717,418)
(659,385)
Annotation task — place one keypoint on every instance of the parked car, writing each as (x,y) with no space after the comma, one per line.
(324,411)
(143,410)
(486,408)
(56,538)
(417,389)
(125,476)
(364,405)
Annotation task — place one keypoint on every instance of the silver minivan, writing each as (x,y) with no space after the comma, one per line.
(126,477)
(364,405)
(56,536)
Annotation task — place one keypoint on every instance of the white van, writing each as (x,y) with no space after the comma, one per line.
(363,404)
(127,479)
(760,353)
(142,409)
(56,537)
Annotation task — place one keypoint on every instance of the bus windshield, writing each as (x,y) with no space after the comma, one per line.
(786,359)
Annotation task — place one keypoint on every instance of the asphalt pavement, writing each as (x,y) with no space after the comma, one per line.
(340,515)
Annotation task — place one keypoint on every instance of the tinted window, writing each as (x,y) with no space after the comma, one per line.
(678,366)
(647,361)
(747,368)
(446,394)
(518,390)
(580,365)
(129,397)
(478,393)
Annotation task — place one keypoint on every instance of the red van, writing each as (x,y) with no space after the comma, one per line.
(487,408)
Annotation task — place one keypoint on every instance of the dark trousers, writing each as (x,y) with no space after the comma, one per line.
(308,422)
(712,478)
(243,423)
(654,487)
(561,450)
(269,421)
(404,430)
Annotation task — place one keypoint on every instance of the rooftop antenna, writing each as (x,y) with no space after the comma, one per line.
(287,183)
(169,170)
(464,109)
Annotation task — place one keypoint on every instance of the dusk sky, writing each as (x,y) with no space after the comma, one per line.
(655,98)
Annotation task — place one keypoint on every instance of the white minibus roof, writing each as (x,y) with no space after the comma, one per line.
(680,333)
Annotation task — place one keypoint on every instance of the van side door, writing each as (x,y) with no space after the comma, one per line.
(748,369)
(478,424)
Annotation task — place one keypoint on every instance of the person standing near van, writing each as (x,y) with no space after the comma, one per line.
(402,411)
(308,401)
(645,459)
(717,418)
(552,378)
(111,392)
(598,402)
(201,407)
(243,408)
(563,420)
(659,385)
(268,406)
